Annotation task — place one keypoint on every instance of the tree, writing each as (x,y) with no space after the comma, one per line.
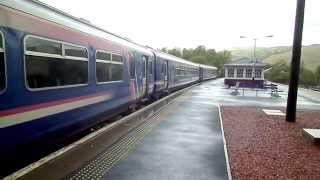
(199,59)
(164,49)
(202,55)
(317,75)
(279,72)
(200,51)
(187,53)
(307,78)
(175,52)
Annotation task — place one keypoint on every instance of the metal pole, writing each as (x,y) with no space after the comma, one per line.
(254,58)
(295,63)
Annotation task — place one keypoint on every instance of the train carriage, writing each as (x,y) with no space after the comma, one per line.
(60,75)
(207,72)
(180,72)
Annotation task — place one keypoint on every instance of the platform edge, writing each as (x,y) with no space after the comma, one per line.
(225,145)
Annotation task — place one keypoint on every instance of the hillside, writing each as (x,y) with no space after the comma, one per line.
(261,52)
(272,55)
(310,57)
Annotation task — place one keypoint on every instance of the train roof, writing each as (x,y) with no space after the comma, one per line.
(44,11)
(208,67)
(174,58)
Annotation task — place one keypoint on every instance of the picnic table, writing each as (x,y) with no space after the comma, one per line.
(273,87)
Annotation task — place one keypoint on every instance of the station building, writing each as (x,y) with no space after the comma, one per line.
(248,73)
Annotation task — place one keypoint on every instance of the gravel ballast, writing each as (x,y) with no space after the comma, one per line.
(267,147)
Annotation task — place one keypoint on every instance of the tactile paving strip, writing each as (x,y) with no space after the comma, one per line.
(103,162)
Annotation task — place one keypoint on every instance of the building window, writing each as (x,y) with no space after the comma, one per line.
(53,64)
(230,72)
(240,73)
(109,67)
(258,73)
(248,73)
(2,64)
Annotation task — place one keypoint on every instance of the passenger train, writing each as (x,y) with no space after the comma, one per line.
(60,75)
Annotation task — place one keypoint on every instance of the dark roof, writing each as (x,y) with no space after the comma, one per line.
(245,62)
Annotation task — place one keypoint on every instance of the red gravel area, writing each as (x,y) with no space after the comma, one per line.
(267,147)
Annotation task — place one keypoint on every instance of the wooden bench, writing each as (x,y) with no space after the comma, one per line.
(313,134)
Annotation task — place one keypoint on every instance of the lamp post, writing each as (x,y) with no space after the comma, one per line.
(254,53)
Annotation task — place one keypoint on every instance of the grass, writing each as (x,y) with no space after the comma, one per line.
(310,57)
(272,55)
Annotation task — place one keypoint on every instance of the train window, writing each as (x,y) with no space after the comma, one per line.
(106,69)
(103,66)
(132,68)
(1,41)
(103,72)
(2,65)
(103,56)
(43,46)
(150,67)
(116,58)
(116,70)
(75,51)
(144,61)
(44,70)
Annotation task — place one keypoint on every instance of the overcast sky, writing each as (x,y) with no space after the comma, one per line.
(188,23)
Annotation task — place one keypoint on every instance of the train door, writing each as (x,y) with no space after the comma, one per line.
(150,76)
(144,75)
(166,74)
(133,77)
(201,74)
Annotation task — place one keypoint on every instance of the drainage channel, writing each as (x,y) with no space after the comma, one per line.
(107,145)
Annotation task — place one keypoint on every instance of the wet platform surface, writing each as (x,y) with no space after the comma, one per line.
(184,141)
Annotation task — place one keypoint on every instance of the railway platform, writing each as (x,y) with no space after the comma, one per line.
(181,138)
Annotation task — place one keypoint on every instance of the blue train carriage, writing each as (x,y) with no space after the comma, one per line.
(175,73)
(208,72)
(60,76)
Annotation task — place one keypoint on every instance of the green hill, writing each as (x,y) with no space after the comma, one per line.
(272,55)
(261,52)
(310,57)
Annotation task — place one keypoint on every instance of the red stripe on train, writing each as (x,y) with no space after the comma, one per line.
(47,104)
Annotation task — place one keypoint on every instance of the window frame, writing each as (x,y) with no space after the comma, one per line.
(3,50)
(62,56)
(260,73)
(240,75)
(247,73)
(107,62)
(229,72)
